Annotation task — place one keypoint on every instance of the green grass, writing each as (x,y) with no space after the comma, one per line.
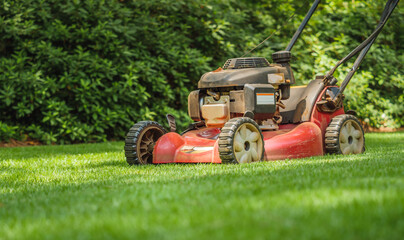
(88,191)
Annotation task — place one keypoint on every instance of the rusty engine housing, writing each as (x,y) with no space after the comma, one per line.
(243,87)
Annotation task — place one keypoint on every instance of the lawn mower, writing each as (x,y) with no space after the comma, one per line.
(247,111)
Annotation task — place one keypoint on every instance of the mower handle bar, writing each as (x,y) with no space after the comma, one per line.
(363,48)
(302,25)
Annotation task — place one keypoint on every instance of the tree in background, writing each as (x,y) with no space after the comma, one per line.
(79,71)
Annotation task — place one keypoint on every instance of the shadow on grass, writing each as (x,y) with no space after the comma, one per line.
(374,141)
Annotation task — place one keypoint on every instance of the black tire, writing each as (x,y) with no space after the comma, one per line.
(236,148)
(345,135)
(140,140)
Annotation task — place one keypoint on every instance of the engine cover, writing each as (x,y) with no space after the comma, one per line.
(240,77)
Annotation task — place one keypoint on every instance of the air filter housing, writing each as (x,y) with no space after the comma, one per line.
(251,62)
(282,56)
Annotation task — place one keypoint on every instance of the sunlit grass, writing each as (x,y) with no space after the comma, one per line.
(88,191)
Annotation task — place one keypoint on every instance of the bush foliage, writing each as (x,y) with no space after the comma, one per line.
(74,71)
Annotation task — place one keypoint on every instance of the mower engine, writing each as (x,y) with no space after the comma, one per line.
(244,87)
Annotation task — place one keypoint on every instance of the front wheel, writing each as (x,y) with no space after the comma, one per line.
(345,135)
(241,141)
(140,141)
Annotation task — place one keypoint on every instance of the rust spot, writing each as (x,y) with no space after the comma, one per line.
(218,70)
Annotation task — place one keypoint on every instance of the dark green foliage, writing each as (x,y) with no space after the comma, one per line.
(73,71)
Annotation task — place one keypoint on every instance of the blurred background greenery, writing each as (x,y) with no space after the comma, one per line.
(85,71)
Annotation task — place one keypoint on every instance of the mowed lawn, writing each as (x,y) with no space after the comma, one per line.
(88,191)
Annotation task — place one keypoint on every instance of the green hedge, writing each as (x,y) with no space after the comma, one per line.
(74,71)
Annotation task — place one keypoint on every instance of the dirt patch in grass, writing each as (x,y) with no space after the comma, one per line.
(16,143)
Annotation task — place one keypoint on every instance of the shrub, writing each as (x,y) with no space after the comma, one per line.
(79,71)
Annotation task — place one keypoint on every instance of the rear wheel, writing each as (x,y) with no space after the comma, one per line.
(140,141)
(345,135)
(241,141)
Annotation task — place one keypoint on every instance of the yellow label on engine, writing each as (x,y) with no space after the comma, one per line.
(276,78)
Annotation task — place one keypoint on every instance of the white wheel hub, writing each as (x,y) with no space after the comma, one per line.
(248,144)
(351,138)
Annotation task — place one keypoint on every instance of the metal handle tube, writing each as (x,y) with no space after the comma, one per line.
(353,69)
(302,25)
(365,46)
(391,4)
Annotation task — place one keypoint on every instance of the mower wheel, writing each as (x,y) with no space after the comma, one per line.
(140,141)
(241,141)
(344,135)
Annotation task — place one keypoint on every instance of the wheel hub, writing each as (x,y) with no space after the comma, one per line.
(247,145)
(350,138)
(150,147)
(147,142)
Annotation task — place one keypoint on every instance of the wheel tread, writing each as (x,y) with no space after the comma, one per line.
(226,152)
(132,139)
(332,132)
